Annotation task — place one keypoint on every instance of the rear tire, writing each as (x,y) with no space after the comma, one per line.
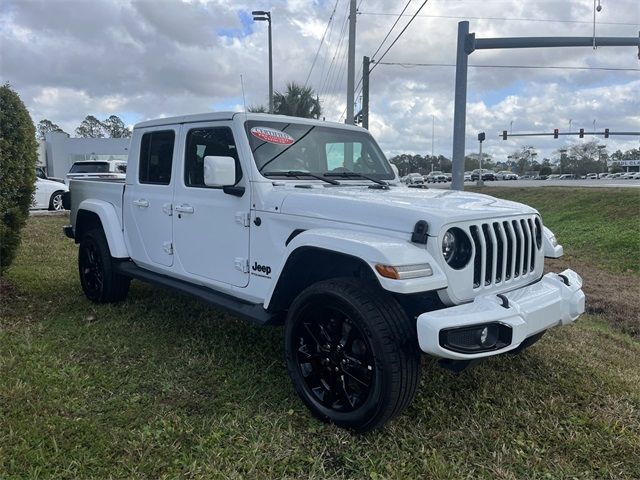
(99,280)
(352,353)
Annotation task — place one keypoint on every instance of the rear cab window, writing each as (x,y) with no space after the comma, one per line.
(90,167)
(156,157)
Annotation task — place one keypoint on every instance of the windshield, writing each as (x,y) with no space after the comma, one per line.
(280,147)
(90,167)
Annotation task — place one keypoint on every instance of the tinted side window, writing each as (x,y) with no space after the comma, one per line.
(156,157)
(203,142)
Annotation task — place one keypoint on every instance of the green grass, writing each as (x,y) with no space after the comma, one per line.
(162,386)
(600,225)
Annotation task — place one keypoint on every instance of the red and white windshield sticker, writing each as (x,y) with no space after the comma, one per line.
(271,135)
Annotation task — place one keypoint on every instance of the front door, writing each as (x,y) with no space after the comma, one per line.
(148,198)
(211,227)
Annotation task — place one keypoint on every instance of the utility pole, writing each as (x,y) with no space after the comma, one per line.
(365,92)
(460,107)
(351,62)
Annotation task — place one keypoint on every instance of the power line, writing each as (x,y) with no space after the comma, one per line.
(542,67)
(510,19)
(400,34)
(335,53)
(328,54)
(321,42)
(391,29)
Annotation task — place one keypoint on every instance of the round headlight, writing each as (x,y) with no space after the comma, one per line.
(448,245)
(456,248)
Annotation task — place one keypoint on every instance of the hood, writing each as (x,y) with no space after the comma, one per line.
(398,208)
(52,184)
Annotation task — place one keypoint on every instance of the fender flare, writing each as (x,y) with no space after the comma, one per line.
(111,225)
(371,249)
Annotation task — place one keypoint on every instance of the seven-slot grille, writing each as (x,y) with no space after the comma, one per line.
(505,250)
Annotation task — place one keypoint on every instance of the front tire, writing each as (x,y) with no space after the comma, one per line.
(352,353)
(99,280)
(55,202)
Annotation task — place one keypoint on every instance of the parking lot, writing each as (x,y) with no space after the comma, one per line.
(551,183)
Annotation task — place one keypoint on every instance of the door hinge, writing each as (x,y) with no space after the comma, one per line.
(167,247)
(243,218)
(167,208)
(242,264)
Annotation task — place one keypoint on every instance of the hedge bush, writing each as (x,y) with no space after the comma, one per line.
(18,157)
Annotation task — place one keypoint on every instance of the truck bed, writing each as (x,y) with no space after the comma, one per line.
(106,190)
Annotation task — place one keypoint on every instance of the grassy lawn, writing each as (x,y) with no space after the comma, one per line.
(161,386)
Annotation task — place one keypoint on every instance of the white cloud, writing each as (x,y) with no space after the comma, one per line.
(144,59)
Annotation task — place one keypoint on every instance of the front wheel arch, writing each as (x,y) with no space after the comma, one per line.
(308,265)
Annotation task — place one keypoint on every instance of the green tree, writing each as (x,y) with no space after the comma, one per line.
(584,157)
(523,159)
(297,101)
(257,109)
(18,157)
(90,127)
(45,126)
(114,127)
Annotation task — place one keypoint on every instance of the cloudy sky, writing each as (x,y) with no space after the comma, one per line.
(145,59)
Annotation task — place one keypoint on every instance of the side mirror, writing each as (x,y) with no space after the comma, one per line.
(219,171)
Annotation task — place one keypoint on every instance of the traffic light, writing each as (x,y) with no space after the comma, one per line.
(504,134)
(555,133)
(606,133)
(582,133)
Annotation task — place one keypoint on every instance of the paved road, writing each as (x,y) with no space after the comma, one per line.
(551,183)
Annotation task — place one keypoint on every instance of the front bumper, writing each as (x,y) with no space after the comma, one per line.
(556,299)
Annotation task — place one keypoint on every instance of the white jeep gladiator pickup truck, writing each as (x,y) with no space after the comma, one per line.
(300,222)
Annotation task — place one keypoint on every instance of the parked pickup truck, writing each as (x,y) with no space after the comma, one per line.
(284,220)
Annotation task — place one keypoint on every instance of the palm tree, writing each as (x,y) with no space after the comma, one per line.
(297,101)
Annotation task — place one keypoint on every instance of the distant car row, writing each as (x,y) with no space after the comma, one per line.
(470,176)
(417,179)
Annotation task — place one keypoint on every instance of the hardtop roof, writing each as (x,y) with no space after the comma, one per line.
(217,116)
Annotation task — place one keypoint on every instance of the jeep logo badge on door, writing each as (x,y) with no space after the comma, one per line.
(261,269)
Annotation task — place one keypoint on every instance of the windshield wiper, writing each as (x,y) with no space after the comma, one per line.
(298,173)
(349,173)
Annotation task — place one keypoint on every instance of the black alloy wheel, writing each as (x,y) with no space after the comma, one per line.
(100,282)
(352,353)
(91,268)
(333,356)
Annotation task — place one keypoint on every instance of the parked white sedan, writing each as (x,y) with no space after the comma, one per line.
(48,194)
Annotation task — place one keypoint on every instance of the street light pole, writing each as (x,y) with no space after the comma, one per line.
(263,16)
(270,67)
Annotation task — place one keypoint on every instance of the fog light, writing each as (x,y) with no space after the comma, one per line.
(476,338)
(483,335)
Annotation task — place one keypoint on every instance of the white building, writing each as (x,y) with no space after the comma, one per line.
(57,152)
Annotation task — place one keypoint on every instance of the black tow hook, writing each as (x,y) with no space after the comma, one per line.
(505,300)
(564,279)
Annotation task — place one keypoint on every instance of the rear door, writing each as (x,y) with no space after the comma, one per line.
(211,227)
(148,198)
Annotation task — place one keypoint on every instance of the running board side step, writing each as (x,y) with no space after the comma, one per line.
(254,312)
